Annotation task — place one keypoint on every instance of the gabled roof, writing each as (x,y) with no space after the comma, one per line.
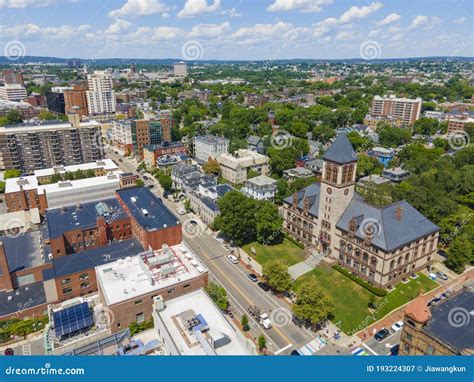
(394,225)
(312,192)
(340,151)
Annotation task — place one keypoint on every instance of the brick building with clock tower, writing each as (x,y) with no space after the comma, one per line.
(380,244)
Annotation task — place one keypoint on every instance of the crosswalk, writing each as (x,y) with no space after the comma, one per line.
(26,349)
(359,351)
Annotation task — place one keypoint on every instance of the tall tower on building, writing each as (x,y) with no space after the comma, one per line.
(337,189)
(101,94)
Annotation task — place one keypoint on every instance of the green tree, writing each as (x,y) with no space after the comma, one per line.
(166,182)
(262,342)
(211,167)
(237,219)
(218,294)
(460,253)
(426,126)
(245,323)
(13,117)
(268,223)
(12,173)
(277,276)
(394,136)
(312,303)
(139,182)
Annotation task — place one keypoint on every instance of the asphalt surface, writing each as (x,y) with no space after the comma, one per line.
(284,336)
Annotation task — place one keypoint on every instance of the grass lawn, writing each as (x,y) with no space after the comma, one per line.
(286,252)
(351,300)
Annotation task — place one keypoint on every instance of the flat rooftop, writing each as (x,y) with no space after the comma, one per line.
(212,327)
(22,298)
(82,216)
(147,272)
(147,209)
(445,326)
(24,251)
(30,182)
(27,128)
(81,261)
(105,164)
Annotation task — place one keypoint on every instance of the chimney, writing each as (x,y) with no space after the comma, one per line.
(399,213)
(295,199)
(74,119)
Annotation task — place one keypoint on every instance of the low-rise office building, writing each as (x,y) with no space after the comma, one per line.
(128,286)
(234,168)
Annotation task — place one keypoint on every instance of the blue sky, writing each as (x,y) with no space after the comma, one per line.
(238,29)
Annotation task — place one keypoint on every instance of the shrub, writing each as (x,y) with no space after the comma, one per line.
(377,291)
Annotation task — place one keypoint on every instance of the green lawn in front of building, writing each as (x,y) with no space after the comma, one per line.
(351,300)
(286,252)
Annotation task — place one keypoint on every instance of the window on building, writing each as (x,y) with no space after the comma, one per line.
(67,290)
(84,276)
(85,285)
(430,350)
(65,281)
(140,317)
(138,302)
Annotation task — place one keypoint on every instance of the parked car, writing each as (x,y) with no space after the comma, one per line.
(120,160)
(151,186)
(442,276)
(193,222)
(145,177)
(253,277)
(381,334)
(233,259)
(180,211)
(264,286)
(8,351)
(295,352)
(434,302)
(397,326)
(442,253)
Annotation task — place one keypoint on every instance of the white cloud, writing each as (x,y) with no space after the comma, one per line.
(343,36)
(356,13)
(374,33)
(424,22)
(196,7)
(231,12)
(392,17)
(352,14)
(27,3)
(461,20)
(34,31)
(260,33)
(143,35)
(133,8)
(119,26)
(209,30)
(306,6)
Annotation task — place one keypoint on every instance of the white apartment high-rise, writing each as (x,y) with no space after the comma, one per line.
(405,109)
(101,94)
(180,69)
(12,92)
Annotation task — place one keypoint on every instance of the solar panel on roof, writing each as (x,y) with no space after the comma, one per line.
(72,319)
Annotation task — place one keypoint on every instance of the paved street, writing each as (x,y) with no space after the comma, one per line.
(284,336)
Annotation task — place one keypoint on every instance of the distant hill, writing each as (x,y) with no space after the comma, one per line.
(169,61)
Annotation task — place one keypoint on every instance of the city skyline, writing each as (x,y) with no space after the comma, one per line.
(229,30)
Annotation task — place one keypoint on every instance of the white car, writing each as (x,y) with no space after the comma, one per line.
(397,326)
(265,321)
(233,259)
(180,211)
